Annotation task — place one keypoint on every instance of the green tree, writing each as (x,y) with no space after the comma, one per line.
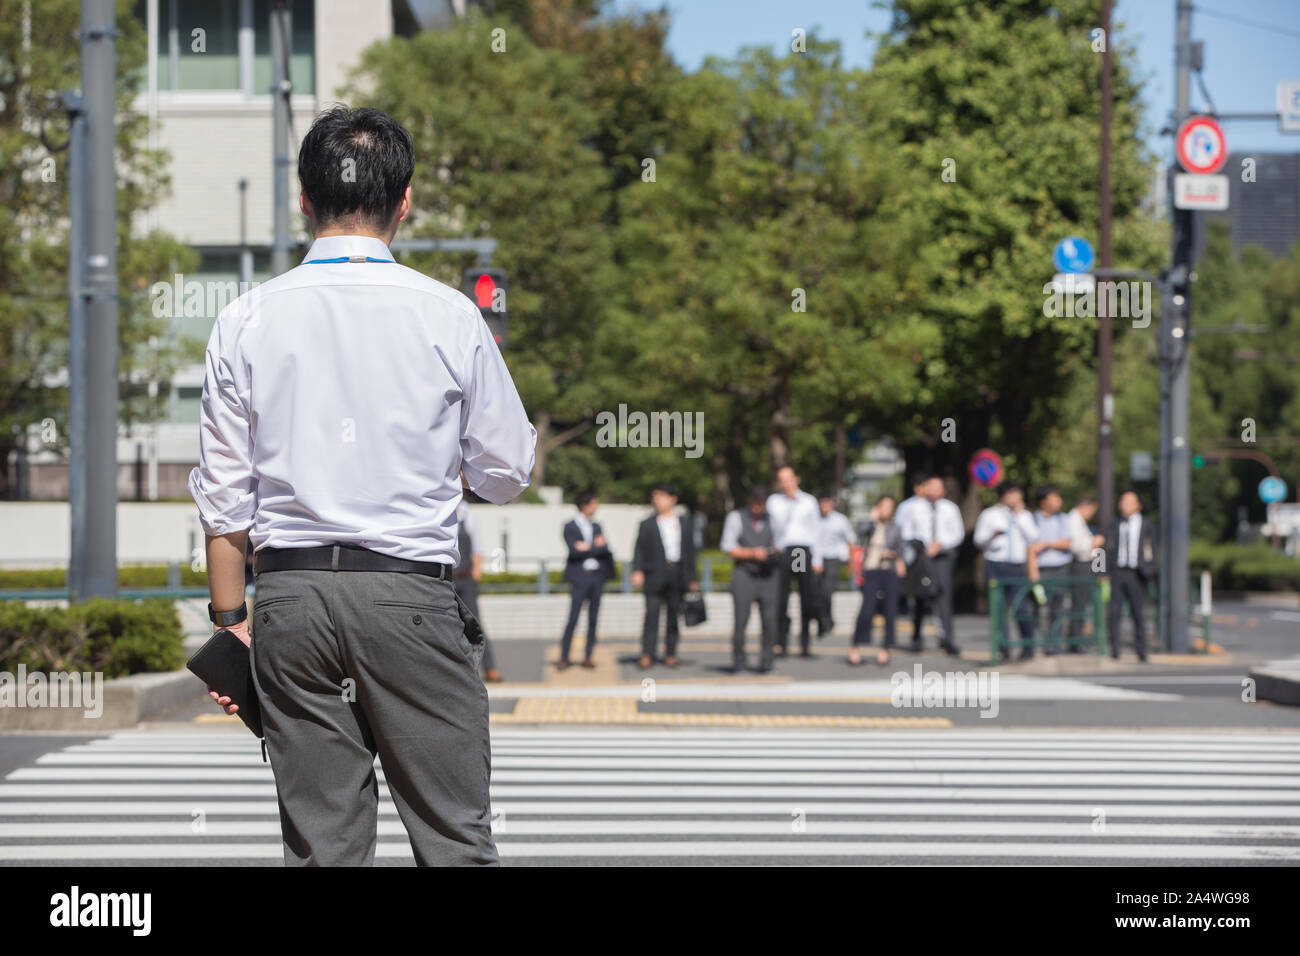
(503,146)
(769,269)
(39,56)
(995,104)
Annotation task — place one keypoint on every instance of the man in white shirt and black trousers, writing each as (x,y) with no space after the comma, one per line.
(663,564)
(1008,536)
(1132,562)
(342,403)
(588,566)
(932,526)
(796,521)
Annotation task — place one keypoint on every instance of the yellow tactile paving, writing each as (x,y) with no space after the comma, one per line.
(623,710)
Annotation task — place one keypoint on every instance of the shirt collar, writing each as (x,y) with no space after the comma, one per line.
(331,247)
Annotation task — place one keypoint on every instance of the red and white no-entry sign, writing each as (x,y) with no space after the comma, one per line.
(1202,147)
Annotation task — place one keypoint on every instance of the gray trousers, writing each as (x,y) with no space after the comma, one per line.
(1057,628)
(747,588)
(354,664)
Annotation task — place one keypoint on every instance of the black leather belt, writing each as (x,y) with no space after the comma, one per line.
(343,557)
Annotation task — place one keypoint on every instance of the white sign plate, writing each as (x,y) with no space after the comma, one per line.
(1192,191)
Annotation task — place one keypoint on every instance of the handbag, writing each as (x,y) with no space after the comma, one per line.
(693,609)
(919,582)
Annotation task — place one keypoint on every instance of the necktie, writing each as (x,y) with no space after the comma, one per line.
(934,523)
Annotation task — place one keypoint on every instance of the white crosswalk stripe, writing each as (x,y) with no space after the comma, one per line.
(735,795)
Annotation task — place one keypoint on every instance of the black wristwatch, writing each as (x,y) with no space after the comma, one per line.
(227,618)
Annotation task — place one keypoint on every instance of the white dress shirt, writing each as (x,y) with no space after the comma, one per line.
(1018,532)
(1080,537)
(796,522)
(1130,539)
(920,520)
(834,537)
(588,532)
(342,402)
(670,533)
(1052,527)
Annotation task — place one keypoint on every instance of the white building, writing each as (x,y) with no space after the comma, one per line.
(207,94)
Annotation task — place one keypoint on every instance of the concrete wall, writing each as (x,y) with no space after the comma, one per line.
(35,534)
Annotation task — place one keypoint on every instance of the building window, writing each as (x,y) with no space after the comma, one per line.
(215,58)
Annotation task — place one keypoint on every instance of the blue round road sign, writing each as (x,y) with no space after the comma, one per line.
(1073,254)
(986,467)
(1272,489)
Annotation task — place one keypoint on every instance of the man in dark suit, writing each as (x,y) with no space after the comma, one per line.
(663,565)
(587,568)
(1131,560)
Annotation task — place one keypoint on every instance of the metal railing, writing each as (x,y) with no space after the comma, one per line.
(1012,599)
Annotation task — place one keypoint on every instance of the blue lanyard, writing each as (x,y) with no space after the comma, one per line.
(313,262)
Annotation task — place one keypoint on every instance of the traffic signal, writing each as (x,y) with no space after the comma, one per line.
(1198,461)
(487,288)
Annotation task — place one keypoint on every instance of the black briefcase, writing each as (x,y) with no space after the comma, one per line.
(225,664)
(919,582)
(693,610)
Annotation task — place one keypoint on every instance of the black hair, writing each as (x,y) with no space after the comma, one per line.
(757,493)
(355,162)
(1008,485)
(584,498)
(1134,493)
(885,497)
(923,477)
(1042,491)
(665,488)
(1087,499)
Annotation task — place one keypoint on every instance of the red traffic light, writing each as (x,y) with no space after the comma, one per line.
(484,289)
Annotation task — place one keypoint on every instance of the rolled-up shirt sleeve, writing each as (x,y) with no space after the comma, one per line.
(498,444)
(223,485)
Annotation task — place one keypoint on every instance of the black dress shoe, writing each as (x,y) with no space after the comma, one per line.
(952,649)
(739,665)
(807,654)
(1025,656)
(916,647)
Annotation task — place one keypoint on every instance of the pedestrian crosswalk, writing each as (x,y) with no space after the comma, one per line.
(577,795)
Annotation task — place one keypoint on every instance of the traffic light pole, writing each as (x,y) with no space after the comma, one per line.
(96,565)
(1175,342)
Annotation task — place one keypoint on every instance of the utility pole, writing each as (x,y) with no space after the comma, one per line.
(96,565)
(76,111)
(1175,343)
(1105,400)
(281,89)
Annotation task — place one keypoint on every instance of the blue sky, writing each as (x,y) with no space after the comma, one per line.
(1243,63)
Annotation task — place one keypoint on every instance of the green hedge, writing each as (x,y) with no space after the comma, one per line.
(1235,567)
(128,576)
(115,637)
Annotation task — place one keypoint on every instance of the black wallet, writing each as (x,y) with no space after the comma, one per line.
(225,665)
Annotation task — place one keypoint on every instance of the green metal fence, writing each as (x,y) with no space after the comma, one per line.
(1012,598)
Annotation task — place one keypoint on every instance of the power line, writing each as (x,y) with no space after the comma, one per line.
(1270,27)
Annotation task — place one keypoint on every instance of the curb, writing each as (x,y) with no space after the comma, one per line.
(127,701)
(1280,685)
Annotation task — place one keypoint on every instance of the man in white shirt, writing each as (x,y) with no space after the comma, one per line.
(343,402)
(1082,545)
(1007,535)
(1053,561)
(835,538)
(796,520)
(932,530)
(586,569)
(663,565)
(747,539)
(1132,568)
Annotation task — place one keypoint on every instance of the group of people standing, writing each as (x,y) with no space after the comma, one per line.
(791,541)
